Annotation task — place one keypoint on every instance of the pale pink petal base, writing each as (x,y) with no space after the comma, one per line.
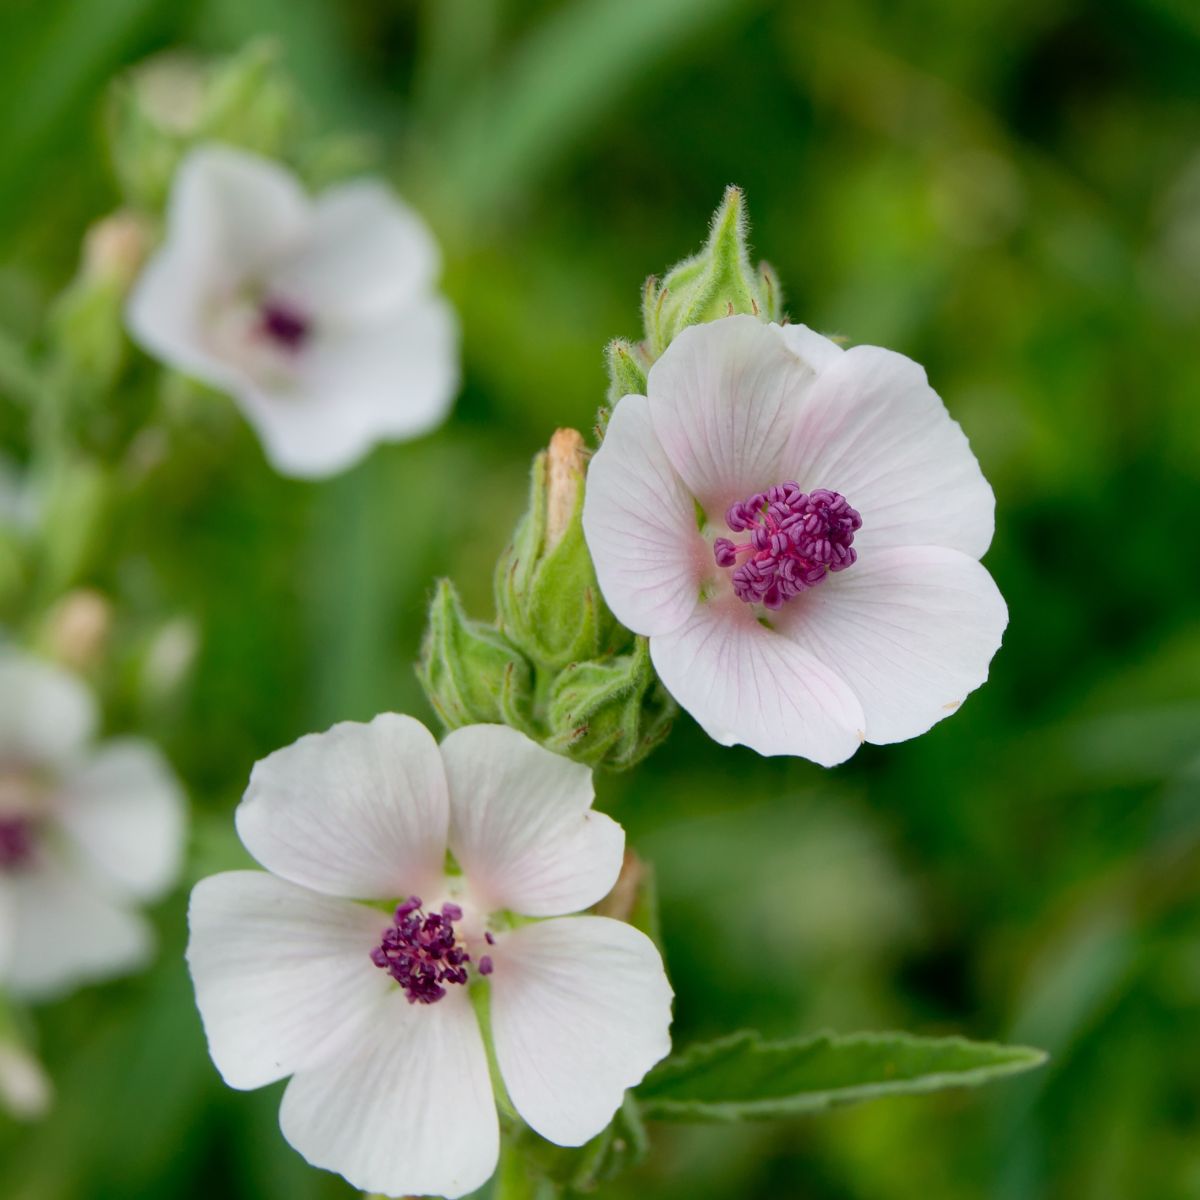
(749,685)
(912,630)
(522,826)
(358,811)
(283,976)
(580,1011)
(407,1109)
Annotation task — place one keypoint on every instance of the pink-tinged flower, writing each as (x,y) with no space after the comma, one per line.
(318,315)
(797,530)
(368,1008)
(85,835)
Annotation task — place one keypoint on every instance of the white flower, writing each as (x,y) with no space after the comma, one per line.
(368,1012)
(854,608)
(85,834)
(319,316)
(25,1089)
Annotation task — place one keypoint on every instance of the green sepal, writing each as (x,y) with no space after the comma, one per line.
(612,712)
(626,372)
(470,671)
(742,1077)
(717,282)
(548,602)
(161,108)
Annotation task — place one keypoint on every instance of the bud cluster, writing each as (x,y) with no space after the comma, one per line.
(717,282)
(555,663)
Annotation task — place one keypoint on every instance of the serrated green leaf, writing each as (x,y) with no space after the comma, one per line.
(742,1077)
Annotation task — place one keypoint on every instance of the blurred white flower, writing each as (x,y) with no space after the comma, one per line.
(84,835)
(854,607)
(319,316)
(370,1014)
(25,1089)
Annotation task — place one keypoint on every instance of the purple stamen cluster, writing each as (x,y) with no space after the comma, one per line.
(16,842)
(283,325)
(421,953)
(796,539)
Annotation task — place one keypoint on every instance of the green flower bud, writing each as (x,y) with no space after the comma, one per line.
(626,371)
(612,712)
(717,282)
(547,600)
(471,672)
(161,108)
(87,323)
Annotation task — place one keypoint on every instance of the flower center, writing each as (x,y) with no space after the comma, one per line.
(18,818)
(796,539)
(16,842)
(421,952)
(283,325)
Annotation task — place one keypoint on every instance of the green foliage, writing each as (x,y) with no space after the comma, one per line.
(742,1077)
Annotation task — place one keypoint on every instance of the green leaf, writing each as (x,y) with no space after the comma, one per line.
(741,1077)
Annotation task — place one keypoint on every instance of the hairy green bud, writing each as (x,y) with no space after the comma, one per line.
(613,712)
(547,600)
(717,282)
(470,671)
(161,108)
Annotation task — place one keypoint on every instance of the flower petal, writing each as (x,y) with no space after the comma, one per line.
(231,213)
(813,349)
(748,685)
(66,931)
(723,399)
(46,714)
(25,1089)
(357,811)
(389,380)
(522,825)
(581,1009)
(912,630)
(366,254)
(125,811)
(873,429)
(640,525)
(408,1109)
(283,976)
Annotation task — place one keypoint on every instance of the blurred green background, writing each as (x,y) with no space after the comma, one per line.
(1006,190)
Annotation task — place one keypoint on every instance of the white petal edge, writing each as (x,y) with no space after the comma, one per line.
(751,686)
(723,399)
(815,350)
(47,715)
(68,931)
(283,976)
(388,380)
(408,1109)
(357,811)
(365,254)
(522,826)
(912,630)
(581,1010)
(640,524)
(873,429)
(125,811)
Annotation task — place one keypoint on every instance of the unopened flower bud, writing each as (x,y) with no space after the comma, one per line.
(115,247)
(471,673)
(164,106)
(612,711)
(547,599)
(77,629)
(718,282)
